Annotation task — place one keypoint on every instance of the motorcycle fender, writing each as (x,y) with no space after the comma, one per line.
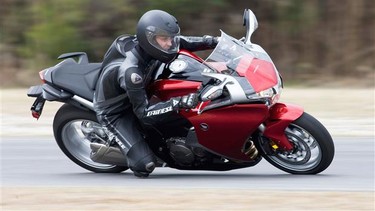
(281,115)
(35,91)
(52,94)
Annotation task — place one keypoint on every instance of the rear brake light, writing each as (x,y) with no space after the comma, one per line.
(35,114)
(41,75)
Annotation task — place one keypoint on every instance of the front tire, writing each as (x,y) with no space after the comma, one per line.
(70,139)
(313,147)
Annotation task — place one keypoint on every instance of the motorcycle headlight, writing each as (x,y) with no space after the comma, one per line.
(272,94)
(267,93)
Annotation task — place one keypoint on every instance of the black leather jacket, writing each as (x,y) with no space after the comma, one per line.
(122,85)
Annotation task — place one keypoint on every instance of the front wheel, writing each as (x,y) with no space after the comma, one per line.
(313,147)
(71,140)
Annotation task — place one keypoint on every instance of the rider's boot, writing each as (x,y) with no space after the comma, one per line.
(141,159)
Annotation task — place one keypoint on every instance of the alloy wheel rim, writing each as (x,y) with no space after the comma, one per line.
(78,146)
(306,154)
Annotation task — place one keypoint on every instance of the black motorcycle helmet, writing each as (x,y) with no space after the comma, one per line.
(159,24)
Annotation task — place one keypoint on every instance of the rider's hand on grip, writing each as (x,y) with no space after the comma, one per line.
(211,40)
(188,101)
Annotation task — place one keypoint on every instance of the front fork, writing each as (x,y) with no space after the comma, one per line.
(280,116)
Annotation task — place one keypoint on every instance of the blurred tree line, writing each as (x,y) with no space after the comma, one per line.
(306,39)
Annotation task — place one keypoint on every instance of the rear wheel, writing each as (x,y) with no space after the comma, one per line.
(313,147)
(68,134)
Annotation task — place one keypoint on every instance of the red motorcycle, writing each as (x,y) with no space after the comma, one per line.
(238,121)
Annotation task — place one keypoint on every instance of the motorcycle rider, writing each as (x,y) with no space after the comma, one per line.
(121,101)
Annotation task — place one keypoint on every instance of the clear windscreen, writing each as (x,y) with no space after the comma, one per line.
(250,61)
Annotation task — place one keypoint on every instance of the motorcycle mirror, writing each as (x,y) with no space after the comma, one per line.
(251,23)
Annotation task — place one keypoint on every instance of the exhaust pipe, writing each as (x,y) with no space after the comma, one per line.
(107,155)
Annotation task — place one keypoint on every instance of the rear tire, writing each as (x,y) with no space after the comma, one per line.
(313,152)
(69,137)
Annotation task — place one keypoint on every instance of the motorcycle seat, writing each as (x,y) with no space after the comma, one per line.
(79,79)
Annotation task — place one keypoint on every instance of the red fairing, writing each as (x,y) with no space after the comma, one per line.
(260,73)
(190,54)
(281,115)
(224,130)
(167,88)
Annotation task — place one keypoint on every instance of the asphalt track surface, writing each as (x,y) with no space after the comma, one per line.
(38,162)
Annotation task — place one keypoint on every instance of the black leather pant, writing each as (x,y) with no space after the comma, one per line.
(126,131)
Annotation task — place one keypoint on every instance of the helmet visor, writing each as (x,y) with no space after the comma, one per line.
(164,41)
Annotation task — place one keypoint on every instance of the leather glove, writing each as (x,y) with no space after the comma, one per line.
(211,40)
(188,101)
